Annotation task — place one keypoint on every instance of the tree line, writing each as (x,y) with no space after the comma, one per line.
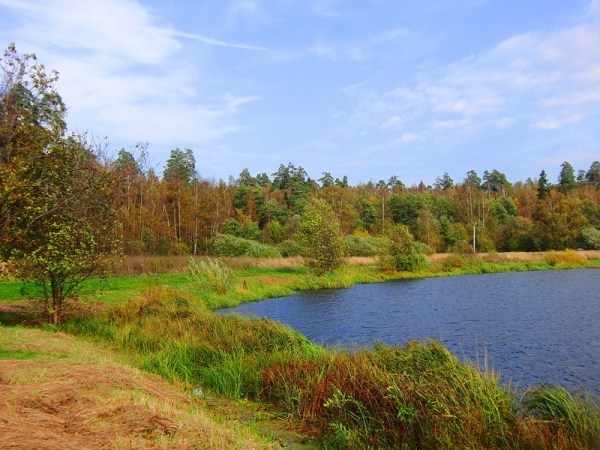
(181,212)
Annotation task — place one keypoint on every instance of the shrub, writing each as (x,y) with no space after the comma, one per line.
(590,238)
(568,257)
(321,238)
(454,261)
(257,250)
(399,251)
(289,248)
(361,245)
(462,248)
(229,245)
(211,275)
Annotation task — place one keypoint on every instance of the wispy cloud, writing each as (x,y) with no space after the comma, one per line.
(544,80)
(220,43)
(125,73)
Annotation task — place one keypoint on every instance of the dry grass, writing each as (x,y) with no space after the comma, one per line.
(516,256)
(146,264)
(86,400)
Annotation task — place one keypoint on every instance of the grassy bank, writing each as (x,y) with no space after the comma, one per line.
(257,279)
(417,396)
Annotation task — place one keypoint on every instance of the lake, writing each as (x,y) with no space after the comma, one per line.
(532,327)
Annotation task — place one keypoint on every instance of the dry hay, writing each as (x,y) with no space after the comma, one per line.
(67,405)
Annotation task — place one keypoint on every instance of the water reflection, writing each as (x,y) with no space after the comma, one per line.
(533,327)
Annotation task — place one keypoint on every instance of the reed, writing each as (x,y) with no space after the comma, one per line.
(567,258)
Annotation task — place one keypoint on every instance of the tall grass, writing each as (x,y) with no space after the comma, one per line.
(212,275)
(566,258)
(573,420)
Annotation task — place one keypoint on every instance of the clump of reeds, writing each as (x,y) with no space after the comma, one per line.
(211,275)
(419,396)
(566,258)
(573,420)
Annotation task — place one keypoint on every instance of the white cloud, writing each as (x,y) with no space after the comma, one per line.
(124,72)
(547,80)
(408,138)
(556,123)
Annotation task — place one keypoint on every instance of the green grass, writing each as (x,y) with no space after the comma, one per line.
(19,354)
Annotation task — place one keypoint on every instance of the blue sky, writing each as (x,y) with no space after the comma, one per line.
(366,89)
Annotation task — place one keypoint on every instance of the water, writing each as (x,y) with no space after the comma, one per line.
(532,327)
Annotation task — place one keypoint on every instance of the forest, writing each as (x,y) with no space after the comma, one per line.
(182,213)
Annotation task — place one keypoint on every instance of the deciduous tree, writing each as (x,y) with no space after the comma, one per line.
(321,238)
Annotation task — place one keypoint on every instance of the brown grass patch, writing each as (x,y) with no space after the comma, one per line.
(75,396)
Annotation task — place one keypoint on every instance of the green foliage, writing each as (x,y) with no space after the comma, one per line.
(503,208)
(592,176)
(181,166)
(559,222)
(57,218)
(31,118)
(361,245)
(211,275)
(289,248)
(590,238)
(320,237)
(566,178)
(574,417)
(495,181)
(543,185)
(245,229)
(399,251)
(229,245)
(69,233)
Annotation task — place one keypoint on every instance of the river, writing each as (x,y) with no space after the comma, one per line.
(532,327)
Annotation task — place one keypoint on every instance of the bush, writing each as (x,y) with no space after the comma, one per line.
(399,251)
(361,245)
(257,250)
(212,275)
(462,248)
(229,245)
(289,248)
(321,238)
(568,257)
(454,261)
(590,238)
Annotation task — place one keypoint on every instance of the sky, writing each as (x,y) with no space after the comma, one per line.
(365,89)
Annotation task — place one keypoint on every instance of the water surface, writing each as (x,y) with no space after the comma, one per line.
(533,327)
